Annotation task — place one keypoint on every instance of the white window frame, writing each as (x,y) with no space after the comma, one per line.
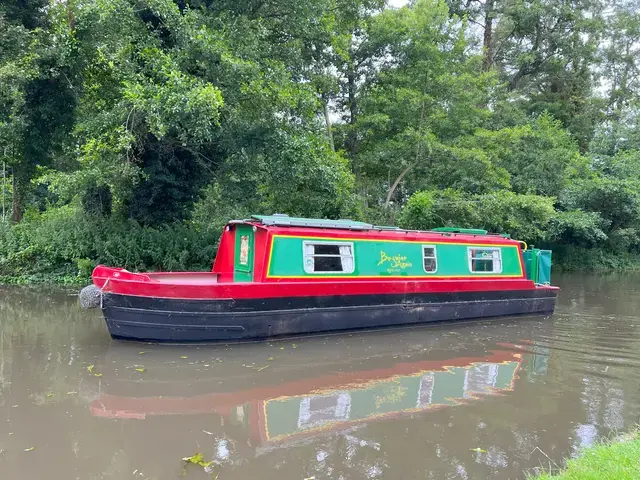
(470,259)
(310,270)
(435,257)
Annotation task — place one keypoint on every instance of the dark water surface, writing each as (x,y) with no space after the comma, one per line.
(474,400)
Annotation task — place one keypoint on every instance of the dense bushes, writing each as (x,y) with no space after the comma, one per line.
(64,244)
(525,217)
(581,240)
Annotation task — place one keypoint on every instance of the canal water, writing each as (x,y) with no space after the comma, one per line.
(475,400)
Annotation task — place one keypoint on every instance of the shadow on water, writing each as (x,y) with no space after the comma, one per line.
(489,399)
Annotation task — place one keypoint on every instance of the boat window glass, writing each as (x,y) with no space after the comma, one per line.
(429,260)
(328,257)
(485,260)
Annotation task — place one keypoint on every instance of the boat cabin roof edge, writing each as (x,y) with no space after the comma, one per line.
(270,222)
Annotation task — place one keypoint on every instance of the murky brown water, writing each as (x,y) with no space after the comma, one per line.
(491,399)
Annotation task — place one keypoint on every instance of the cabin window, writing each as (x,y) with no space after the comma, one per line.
(328,257)
(429,260)
(485,260)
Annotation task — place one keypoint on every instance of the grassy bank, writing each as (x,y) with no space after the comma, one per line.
(615,460)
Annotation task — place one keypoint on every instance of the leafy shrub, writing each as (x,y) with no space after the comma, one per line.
(64,242)
(523,216)
(585,229)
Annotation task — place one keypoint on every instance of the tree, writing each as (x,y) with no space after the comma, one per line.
(427,94)
(36,94)
(545,51)
(541,157)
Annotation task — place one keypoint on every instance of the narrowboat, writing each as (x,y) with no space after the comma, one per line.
(278,275)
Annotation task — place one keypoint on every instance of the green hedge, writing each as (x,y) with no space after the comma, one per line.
(64,245)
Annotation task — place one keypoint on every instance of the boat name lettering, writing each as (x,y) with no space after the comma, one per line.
(395,261)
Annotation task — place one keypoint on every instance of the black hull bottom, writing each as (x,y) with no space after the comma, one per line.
(176,320)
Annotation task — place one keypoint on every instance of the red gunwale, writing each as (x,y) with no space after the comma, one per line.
(218,284)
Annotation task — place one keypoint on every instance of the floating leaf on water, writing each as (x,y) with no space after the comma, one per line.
(97,374)
(141,369)
(29,449)
(141,353)
(184,356)
(49,395)
(281,348)
(294,345)
(478,450)
(91,367)
(71,393)
(197,459)
(270,358)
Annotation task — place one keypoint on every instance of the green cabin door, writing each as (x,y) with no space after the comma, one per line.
(243,257)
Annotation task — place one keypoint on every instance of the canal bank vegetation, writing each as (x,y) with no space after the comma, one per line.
(616,460)
(131,130)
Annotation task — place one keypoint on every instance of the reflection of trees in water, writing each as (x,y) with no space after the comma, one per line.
(45,342)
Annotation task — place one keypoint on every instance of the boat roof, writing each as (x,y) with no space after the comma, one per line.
(283,220)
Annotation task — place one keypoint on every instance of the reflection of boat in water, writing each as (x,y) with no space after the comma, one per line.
(307,402)
(287,416)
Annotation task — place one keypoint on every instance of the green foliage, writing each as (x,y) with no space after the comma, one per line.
(540,156)
(63,243)
(303,177)
(576,227)
(616,200)
(524,217)
(132,131)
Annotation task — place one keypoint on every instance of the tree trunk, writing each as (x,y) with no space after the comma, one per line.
(487,40)
(327,120)
(17,200)
(406,170)
(395,185)
(351,142)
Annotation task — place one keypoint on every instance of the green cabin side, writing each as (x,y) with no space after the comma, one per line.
(299,256)
(256,250)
